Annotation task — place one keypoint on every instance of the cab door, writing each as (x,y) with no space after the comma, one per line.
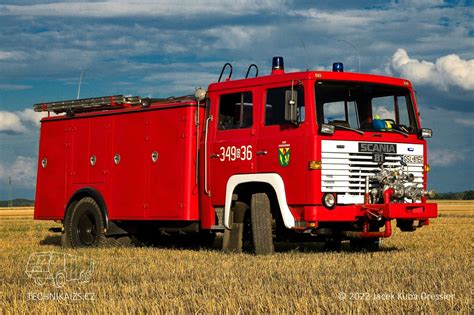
(232,139)
(281,146)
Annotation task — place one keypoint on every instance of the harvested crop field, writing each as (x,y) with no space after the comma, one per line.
(430,270)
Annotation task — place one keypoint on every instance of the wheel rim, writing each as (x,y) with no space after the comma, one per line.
(86,229)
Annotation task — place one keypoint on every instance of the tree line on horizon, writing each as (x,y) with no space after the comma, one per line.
(465,195)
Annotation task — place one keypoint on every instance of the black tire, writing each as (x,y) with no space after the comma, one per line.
(365,245)
(65,240)
(206,239)
(233,239)
(84,225)
(406,225)
(261,218)
(332,245)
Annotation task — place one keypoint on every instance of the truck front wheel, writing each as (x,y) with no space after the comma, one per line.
(83,225)
(261,220)
(365,245)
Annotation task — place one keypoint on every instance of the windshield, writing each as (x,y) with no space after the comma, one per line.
(365,106)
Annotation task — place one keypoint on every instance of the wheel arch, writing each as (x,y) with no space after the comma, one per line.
(94,194)
(272,181)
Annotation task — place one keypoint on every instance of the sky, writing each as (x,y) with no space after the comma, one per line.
(168,48)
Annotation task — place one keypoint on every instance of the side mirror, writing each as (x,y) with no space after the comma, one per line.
(291,101)
(425,133)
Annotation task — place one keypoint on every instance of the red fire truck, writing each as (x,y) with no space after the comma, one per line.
(286,157)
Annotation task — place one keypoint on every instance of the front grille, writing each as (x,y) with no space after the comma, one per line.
(344,169)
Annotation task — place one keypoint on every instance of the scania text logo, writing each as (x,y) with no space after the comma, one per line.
(378,147)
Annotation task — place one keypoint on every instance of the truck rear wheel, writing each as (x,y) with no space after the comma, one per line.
(84,225)
(261,218)
(233,239)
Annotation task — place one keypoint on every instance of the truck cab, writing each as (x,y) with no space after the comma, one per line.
(338,155)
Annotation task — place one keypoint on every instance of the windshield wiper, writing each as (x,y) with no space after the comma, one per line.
(349,128)
(400,132)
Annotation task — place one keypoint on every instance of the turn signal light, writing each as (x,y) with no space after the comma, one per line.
(314,165)
(427,168)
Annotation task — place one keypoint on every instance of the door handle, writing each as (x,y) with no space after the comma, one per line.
(214,156)
(263,152)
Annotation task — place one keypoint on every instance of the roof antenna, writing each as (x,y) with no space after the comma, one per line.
(79,85)
(306,54)
(354,47)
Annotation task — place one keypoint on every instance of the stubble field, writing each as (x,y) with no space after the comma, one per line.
(430,270)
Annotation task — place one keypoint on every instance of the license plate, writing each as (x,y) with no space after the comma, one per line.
(378,158)
(413,159)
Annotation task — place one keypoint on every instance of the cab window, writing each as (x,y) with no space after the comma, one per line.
(342,112)
(275,105)
(235,111)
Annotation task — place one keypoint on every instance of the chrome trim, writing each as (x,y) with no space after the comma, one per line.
(206,190)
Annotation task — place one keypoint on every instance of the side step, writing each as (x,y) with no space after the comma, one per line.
(218,228)
(220,220)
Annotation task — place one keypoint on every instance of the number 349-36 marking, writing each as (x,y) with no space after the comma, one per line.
(234,153)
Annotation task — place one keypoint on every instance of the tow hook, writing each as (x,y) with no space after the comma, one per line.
(376,216)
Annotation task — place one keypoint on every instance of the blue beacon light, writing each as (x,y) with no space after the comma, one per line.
(337,67)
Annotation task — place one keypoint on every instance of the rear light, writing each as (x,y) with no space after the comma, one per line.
(327,129)
(329,200)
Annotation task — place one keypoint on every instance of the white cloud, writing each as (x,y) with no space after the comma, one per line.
(120,8)
(384,112)
(469,122)
(14,87)
(5,55)
(29,115)
(15,121)
(338,19)
(22,172)
(450,70)
(11,122)
(442,157)
(422,3)
(236,37)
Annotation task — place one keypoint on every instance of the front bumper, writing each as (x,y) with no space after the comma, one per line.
(406,211)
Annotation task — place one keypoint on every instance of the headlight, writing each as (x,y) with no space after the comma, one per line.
(329,200)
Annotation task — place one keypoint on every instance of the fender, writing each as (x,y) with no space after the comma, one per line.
(94,193)
(274,180)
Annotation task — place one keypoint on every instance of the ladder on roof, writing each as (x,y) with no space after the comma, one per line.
(91,104)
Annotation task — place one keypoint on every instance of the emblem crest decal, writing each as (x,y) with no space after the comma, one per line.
(284,154)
